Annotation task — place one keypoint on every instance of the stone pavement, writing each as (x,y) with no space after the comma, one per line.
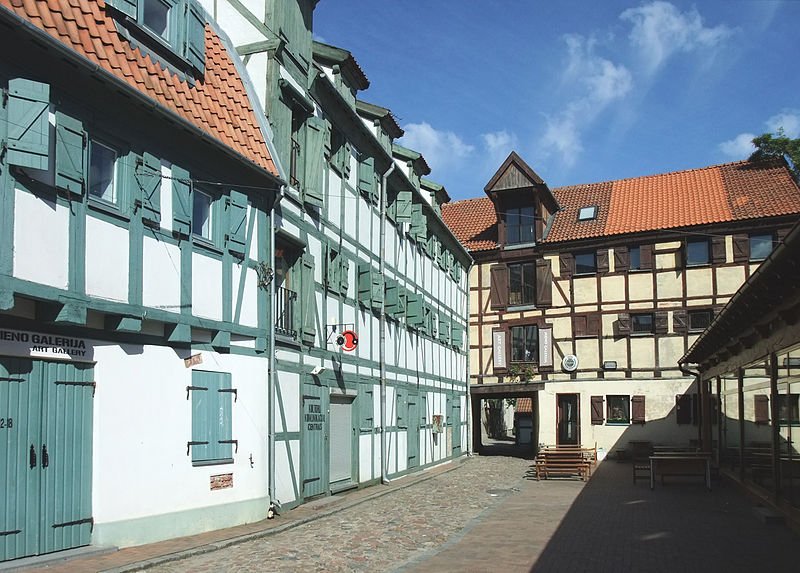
(485,515)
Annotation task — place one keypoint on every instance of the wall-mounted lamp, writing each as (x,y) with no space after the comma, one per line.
(317,370)
(610,365)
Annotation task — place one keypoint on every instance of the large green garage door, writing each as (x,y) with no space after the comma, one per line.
(45,453)
(314,440)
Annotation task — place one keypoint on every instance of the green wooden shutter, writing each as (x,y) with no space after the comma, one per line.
(308,324)
(344,275)
(332,270)
(403,207)
(221,423)
(148,175)
(237,222)
(366,408)
(392,297)
(313,192)
(444,328)
(212,398)
(457,336)
(70,154)
(402,409)
(414,313)
(201,405)
(28,124)
(376,296)
(181,201)
(417,222)
(195,47)
(365,284)
(366,178)
(127,7)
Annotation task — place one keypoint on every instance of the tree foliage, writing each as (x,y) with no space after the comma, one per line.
(778,145)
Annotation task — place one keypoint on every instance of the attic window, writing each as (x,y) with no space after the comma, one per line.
(587,213)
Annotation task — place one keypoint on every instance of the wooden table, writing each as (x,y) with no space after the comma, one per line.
(690,462)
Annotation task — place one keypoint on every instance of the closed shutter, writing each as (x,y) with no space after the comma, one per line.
(181,201)
(602,261)
(316,133)
(28,124)
(237,222)
(376,294)
(212,397)
(593,324)
(637,410)
(402,410)
(365,284)
(680,321)
(332,270)
(718,249)
(308,324)
(344,275)
(646,257)
(127,7)
(661,326)
(403,204)
(149,177)
(498,286)
(597,410)
(70,154)
(444,328)
(761,408)
(622,259)
(622,326)
(683,408)
(366,179)
(741,248)
(544,283)
(566,263)
(392,297)
(579,325)
(457,336)
(201,405)
(366,409)
(414,315)
(195,47)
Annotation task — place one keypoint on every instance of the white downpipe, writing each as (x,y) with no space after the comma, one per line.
(271,361)
(469,395)
(382,328)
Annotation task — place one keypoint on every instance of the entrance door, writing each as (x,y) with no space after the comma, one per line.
(568,420)
(314,441)
(46,448)
(342,434)
(413,430)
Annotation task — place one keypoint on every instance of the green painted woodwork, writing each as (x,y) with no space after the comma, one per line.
(333,270)
(344,275)
(178,333)
(237,314)
(457,335)
(370,287)
(308,301)
(402,209)
(6,211)
(211,417)
(70,154)
(412,447)
(454,414)
(419,224)
(444,328)
(401,405)
(194,47)
(221,341)
(313,443)
(236,206)
(72,312)
(148,176)
(366,408)
(28,142)
(281,435)
(414,313)
(181,202)
(313,184)
(47,454)
(124,323)
(368,180)
(127,7)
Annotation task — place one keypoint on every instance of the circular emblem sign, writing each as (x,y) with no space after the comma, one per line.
(348,340)
(570,363)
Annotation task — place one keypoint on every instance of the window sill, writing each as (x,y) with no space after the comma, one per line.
(205,244)
(515,246)
(201,463)
(108,208)
(618,423)
(520,307)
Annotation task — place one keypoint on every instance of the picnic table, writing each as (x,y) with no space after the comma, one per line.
(680,464)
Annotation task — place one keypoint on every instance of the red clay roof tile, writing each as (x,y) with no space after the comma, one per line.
(473,222)
(218,108)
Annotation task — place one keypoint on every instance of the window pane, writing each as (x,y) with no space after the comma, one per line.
(517,344)
(514,284)
(519,225)
(102,160)
(526,225)
(699,319)
(531,343)
(618,409)
(529,283)
(524,343)
(697,252)
(760,247)
(642,322)
(635,258)
(585,263)
(512,234)
(201,215)
(156,16)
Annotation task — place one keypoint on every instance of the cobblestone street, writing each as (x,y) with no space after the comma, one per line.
(379,534)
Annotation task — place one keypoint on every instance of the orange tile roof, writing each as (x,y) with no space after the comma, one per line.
(524,406)
(217,104)
(473,222)
(715,194)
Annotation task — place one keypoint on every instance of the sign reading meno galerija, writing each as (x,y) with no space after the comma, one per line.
(42,345)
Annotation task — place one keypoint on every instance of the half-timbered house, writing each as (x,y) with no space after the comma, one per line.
(137,183)
(584,297)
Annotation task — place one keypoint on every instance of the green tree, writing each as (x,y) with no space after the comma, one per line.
(778,145)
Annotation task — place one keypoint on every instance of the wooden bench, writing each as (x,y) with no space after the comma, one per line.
(565,461)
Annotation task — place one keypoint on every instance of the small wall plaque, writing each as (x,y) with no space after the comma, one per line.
(193,360)
(221,481)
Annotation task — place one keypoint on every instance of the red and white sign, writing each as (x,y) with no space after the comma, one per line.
(347,340)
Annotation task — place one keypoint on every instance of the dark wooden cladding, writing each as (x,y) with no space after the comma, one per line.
(602,261)
(544,283)
(660,326)
(566,264)
(622,259)
(637,410)
(598,416)
(498,286)
(646,257)
(680,321)
(622,326)
(741,248)
(718,249)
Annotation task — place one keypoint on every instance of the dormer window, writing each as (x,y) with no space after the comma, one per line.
(520,225)
(155,17)
(587,213)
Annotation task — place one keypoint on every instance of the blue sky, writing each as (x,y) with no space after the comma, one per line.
(584,91)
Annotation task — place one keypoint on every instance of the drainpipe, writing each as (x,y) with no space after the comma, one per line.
(382,327)
(273,501)
(469,394)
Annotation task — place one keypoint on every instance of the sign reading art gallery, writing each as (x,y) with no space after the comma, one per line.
(41,345)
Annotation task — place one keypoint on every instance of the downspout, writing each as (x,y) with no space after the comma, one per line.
(274,503)
(469,394)
(382,323)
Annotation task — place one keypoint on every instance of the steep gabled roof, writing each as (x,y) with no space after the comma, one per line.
(344,59)
(216,104)
(716,194)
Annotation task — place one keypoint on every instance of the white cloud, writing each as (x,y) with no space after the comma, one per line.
(441,149)
(660,29)
(597,83)
(498,145)
(788,120)
(740,147)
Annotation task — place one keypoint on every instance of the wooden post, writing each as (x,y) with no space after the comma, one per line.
(773,403)
(740,387)
(719,420)
(705,417)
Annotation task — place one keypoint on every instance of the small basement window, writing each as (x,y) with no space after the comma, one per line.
(700,319)
(587,213)
(642,323)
